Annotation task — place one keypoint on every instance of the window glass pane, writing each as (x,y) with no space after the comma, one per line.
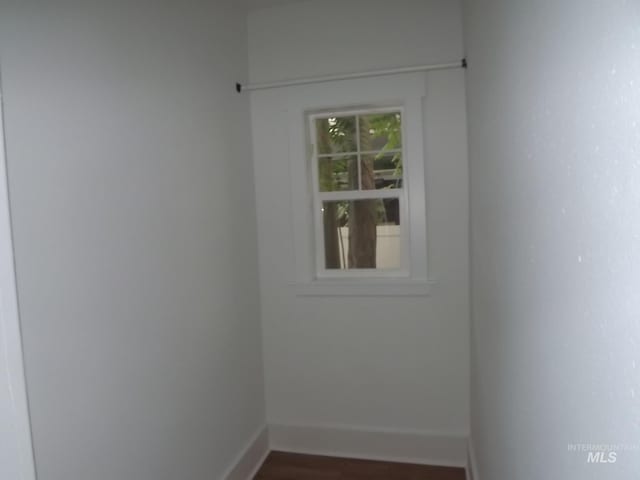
(380,131)
(362,234)
(336,135)
(337,173)
(381,171)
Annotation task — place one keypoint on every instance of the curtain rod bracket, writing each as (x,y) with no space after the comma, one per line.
(464,63)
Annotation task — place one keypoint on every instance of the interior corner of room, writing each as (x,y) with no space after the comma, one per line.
(319,239)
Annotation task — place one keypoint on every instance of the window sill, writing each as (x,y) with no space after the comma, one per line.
(362,288)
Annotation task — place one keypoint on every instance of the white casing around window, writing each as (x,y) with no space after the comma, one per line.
(406,91)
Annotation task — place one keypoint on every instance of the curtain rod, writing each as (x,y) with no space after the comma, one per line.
(347,76)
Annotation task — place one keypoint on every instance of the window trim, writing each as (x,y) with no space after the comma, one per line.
(405,90)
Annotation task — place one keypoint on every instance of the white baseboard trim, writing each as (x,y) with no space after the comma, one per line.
(472,464)
(248,462)
(430,448)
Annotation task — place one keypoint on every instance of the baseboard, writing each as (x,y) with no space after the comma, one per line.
(250,458)
(432,448)
(472,464)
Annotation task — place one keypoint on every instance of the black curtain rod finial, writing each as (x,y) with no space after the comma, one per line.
(239,87)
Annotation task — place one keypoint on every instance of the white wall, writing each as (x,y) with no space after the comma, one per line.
(554,143)
(16,450)
(398,363)
(311,37)
(133,211)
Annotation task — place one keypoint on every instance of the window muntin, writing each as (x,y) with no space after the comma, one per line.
(360,202)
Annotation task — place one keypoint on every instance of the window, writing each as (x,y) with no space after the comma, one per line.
(359,196)
(357,183)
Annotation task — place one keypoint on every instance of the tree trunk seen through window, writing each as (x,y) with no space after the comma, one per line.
(362,214)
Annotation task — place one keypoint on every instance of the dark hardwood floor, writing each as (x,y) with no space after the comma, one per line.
(292,466)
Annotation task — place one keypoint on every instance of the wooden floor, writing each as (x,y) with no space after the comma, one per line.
(291,466)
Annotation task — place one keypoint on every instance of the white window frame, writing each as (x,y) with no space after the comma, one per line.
(319,197)
(405,92)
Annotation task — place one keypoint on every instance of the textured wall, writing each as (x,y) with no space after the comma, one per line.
(398,363)
(308,38)
(554,126)
(134,220)
(16,450)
